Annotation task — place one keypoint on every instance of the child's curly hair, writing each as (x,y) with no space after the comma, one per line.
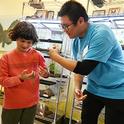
(23,30)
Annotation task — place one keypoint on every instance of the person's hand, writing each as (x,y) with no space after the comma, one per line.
(43,72)
(79,95)
(25,75)
(53,52)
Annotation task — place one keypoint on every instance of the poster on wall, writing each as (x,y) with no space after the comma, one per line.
(115,1)
(41,14)
(114,11)
(50,15)
(98,13)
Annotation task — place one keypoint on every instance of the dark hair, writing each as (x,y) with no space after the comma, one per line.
(24,30)
(73,10)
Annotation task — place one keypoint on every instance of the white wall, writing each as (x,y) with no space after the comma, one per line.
(12,9)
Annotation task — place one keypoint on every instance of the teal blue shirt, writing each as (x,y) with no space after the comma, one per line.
(100,44)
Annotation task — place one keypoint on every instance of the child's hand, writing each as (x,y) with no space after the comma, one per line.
(25,75)
(43,72)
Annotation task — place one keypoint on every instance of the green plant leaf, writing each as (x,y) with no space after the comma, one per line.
(6,39)
(13,24)
(1,28)
(1,33)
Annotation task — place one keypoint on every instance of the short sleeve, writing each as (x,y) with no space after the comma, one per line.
(101,45)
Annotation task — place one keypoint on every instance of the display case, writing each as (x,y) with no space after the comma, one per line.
(53,94)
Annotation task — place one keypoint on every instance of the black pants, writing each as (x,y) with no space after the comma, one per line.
(19,116)
(92,106)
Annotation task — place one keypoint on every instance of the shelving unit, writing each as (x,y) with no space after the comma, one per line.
(54,117)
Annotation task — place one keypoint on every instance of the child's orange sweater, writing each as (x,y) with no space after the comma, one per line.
(20,94)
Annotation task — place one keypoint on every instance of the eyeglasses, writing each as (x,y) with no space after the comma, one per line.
(66,27)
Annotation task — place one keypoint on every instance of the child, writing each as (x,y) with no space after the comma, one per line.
(19,75)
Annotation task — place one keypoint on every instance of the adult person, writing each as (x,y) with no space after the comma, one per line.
(19,75)
(102,62)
